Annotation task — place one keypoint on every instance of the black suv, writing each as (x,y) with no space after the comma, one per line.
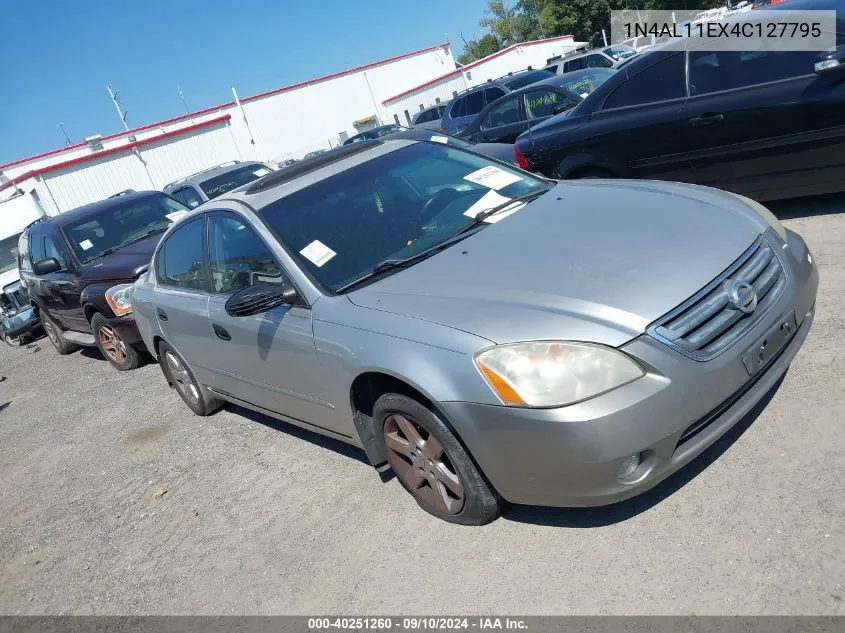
(79,268)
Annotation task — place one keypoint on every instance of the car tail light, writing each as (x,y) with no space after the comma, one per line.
(520,158)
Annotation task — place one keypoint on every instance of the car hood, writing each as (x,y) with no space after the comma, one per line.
(127,263)
(590,260)
(500,151)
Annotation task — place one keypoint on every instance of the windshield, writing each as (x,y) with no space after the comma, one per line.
(619,51)
(118,225)
(583,82)
(223,183)
(9,253)
(528,78)
(391,207)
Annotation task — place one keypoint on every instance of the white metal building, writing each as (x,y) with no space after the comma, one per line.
(278,124)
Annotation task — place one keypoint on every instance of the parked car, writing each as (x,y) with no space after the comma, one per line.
(430,117)
(316,152)
(484,332)
(506,118)
(210,183)
(462,109)
(78,268)
(607,57)
(763,123)
(642,43)
(376,132)
(500,151)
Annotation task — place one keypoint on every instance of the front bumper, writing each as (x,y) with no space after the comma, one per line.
(22,323)
(126,329)
(569,456)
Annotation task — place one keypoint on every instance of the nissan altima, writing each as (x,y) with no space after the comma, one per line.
(489,335)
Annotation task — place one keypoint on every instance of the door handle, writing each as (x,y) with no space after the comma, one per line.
(221,332)
(706,119)
(161,314)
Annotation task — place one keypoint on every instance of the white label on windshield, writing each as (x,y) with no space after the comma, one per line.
(261,172)
(317,253)
(440,139)
(584,95)
(492,177)
(175,215)
(86,244)
(488,201)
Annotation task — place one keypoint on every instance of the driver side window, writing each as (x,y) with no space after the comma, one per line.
(238,257)
(506,113)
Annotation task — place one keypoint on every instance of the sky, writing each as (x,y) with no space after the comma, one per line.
(59,55)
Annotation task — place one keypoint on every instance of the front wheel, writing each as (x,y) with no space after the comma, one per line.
(430,462)
(120,354)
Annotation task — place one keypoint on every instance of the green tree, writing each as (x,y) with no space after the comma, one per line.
(482,47)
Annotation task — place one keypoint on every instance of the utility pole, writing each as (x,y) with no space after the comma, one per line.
(184,103)
(120,112)
(67,139)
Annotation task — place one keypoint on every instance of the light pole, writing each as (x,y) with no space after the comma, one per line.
(67,138)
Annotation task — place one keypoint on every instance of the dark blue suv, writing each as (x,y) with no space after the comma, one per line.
(463,109)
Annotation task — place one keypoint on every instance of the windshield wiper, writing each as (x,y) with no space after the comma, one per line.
(114,249)
(479,218)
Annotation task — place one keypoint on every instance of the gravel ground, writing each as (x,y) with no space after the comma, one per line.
(117,500)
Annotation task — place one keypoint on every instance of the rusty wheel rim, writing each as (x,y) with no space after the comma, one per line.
(111,344)
(420,461)
(181,378)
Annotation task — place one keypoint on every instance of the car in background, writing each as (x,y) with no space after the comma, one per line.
(18,321)
(485,333)
(643,42)
(206,185)
(766,124)
(464,107)
(316,152)
(506,118)
(607,57)
(429,118)
(500,151)
(78,268)
(376,132)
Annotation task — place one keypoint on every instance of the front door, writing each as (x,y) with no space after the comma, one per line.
(267,359)
(65,288)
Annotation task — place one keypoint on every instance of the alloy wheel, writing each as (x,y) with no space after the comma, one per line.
(181,378)
(52,334)
(111,344)
(420,461)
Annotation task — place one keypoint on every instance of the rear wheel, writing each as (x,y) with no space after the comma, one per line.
(430,462)
(181,378)
(120,354)
(56,336)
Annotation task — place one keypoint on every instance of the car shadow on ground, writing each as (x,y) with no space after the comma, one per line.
(618,512)
(805,207)
(323,441)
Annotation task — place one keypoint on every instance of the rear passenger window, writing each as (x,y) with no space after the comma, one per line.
(474,103)
(491,94)
(458,108)
(659,82)
(179,262)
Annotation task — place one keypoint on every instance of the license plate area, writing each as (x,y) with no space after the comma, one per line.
(768,346)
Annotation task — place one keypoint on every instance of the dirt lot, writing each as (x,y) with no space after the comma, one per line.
(259,517)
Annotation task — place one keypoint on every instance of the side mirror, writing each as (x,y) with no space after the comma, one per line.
(828,61)
(260,298)
(46,266)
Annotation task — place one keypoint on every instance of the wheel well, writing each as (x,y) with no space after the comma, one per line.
(157,341)
(89,311)
(370,386)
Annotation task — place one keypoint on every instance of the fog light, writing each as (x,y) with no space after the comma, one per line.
(627,467)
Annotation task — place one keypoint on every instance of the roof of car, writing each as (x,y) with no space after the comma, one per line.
(95,208)
(211,172)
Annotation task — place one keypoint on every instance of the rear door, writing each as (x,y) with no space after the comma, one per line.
(181,297)
(503,122)
(636,129)
(65,286)
(761,123)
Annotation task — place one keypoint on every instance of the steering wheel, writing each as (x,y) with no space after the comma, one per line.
(437,203)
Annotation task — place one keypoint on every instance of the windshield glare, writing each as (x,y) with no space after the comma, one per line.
(116,226)
(9,253)
(391,207)
(224,183)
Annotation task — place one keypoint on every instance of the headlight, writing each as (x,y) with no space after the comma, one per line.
(554,373)
(120,299)
(767,215)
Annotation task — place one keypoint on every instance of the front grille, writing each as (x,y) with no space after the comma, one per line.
(706,325)
(16,295)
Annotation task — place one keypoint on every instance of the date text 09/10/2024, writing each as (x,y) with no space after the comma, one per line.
(416,623)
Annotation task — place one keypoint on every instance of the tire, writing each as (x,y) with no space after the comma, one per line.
(122,356)
(56,336)
(431,463)
(182,378)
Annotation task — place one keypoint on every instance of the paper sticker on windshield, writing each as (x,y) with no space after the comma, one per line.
(317,253)
(175,215)
(492,177)
(261,172)
(86,244)
(439,139)
(584,95)
(488,201)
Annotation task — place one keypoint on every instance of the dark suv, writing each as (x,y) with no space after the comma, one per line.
(462,110)
(79,267)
